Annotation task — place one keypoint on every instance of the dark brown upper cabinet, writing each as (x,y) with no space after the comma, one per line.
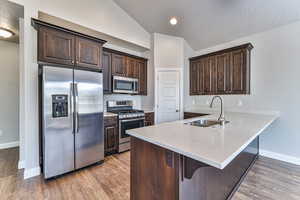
(132,67)
(118,65)
(240,81)
(88,53)
(194,78)
(58,45)
(223,78)
(222,72)
(142,65)
(107,77)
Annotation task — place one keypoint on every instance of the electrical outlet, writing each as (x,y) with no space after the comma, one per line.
(193,102)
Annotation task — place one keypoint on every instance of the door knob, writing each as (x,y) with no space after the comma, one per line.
(177,110)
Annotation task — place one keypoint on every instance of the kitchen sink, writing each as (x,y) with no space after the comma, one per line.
(205,123)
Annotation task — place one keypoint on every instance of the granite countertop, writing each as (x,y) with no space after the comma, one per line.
(216,146)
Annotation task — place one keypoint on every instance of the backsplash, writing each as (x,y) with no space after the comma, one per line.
(121,97)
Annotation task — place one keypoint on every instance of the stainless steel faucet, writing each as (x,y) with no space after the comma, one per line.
(221,118)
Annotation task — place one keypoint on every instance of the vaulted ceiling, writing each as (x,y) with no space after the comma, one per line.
(204,23)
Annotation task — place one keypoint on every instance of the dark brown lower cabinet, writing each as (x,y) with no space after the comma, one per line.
(157,173)
(149,118)
(154,172)
(188,115)
(111,136)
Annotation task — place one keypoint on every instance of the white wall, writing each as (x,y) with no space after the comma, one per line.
(275,85)
(147,102)
(188,53)
(101,15)
(21,163)
(9,93)
(168,51)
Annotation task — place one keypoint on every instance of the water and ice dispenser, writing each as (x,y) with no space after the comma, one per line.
(59,106)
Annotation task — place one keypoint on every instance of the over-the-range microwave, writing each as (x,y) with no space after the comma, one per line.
(125,85)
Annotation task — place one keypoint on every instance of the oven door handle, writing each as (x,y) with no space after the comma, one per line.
(130,120)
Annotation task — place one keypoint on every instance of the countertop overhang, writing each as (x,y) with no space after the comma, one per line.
(215,146)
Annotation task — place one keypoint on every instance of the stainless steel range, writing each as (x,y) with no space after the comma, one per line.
(129,118)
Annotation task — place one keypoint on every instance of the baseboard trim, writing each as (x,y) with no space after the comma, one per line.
(281,157)
(9,145)
(21,164)
(28,173)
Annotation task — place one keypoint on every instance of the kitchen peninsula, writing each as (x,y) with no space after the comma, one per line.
(177,160)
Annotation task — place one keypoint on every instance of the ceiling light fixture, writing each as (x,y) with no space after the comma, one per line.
(173,21)
(5,33)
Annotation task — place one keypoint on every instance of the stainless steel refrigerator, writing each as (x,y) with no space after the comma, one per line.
(72,119)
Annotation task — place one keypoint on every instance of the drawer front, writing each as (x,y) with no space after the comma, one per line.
(110,121)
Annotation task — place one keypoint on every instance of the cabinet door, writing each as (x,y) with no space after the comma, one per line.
(207,76)
(88,53)
(238,71)
(149,119)
(131,68)
(111,139)
(142,65)
(194,78)
(107,78)
(223,82)
(118,65)
(56,46)
(136,69)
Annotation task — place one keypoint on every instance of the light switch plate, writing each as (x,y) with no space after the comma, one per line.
(1,132)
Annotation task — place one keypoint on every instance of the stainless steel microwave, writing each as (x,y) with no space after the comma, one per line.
(125,85)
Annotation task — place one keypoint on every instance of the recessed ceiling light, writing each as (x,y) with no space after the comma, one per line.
(5,33)
(173,21)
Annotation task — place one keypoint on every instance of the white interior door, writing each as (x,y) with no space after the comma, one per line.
(168,99)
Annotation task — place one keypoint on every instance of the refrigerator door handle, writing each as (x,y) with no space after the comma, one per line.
(72,107)
(76,108)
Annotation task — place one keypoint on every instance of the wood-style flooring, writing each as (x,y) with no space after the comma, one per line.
(267,180)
